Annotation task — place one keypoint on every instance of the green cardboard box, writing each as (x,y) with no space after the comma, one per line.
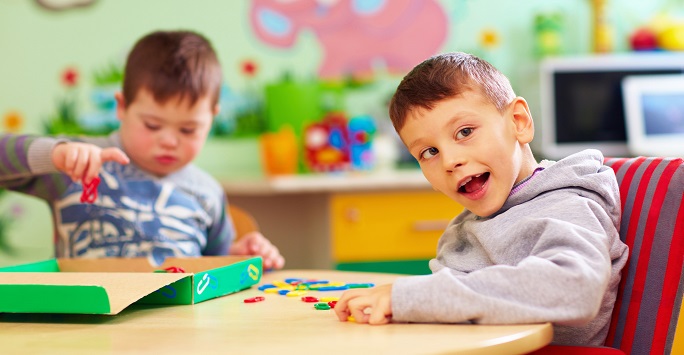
(107,286)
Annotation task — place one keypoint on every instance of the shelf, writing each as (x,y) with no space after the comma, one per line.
(334,182)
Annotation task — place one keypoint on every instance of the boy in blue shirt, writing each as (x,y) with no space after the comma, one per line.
(152,200)
(537,242)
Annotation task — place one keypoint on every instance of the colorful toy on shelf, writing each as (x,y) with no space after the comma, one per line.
(548,29)
(279,153)
(361,131)
(662,32)
(338,144)
(327,144)
(643,39)
(603,31)
(671,38)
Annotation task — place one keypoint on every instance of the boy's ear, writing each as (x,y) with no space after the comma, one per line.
(120,104)
(216,110)
(522,120)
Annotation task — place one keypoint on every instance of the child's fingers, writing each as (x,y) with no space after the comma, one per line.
(273,259)
(82,162)
(69,161)
(380,313)
(278,262)
(270,254)
(341,310)
(357,310)
(93,169)
(255,246)
(114,154)
(342,307)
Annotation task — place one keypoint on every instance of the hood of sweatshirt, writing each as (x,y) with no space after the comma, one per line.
(582,172)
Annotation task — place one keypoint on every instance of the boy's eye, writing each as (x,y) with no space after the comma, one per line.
(429,153)
(187,130)
(464,133)
(151,126)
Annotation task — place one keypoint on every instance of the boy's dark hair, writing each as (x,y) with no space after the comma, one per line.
(173,64)
(444,76)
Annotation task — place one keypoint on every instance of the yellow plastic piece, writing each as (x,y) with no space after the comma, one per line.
(295,293)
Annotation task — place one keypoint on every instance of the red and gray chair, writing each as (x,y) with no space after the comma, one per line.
(647,318)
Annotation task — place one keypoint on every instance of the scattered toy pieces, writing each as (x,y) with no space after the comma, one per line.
(295,287)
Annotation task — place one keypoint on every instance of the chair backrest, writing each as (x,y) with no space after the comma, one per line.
(647,310)
(243,221)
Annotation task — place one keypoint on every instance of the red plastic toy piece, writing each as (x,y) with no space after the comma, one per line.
(175,269)
(254,299)
(309,299)
(89,194)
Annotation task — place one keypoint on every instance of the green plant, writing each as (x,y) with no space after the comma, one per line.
(64,121)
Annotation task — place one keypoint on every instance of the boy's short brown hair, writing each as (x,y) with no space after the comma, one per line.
(173,64)
(444,76)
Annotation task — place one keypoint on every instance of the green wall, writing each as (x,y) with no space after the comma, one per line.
(37,44)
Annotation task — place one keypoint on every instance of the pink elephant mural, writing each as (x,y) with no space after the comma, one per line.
(355,35)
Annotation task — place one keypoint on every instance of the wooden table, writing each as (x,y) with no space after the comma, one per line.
(278,325)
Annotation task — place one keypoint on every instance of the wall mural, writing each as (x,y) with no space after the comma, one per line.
(240,112)
(355,35)
(359,39)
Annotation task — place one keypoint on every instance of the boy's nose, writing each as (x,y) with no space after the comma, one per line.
(452,162)
(168,140)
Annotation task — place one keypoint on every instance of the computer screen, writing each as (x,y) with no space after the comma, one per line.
(654,107)
(582,102)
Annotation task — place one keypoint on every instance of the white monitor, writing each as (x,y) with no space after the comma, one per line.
(654,108)
(581,100)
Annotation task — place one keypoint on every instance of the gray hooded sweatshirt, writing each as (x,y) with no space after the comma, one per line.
(551,254)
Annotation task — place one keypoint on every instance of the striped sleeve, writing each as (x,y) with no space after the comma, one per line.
(26,166)
(221,234)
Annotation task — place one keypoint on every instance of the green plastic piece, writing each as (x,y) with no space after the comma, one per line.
(409,267)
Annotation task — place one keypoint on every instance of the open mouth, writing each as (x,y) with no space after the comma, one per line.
(473,183)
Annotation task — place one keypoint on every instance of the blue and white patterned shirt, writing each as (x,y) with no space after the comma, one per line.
(135,214)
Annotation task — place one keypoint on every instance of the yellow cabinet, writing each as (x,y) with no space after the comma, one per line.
(388,226)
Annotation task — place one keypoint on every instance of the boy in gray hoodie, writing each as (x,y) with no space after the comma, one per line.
(537,242)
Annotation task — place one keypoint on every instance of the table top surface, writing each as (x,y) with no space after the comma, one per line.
(279,324)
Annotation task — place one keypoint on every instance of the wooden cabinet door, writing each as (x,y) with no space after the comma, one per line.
(388,226)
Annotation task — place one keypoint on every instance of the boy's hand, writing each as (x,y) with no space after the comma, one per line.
(366,305)
(254,243)
(82,161)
